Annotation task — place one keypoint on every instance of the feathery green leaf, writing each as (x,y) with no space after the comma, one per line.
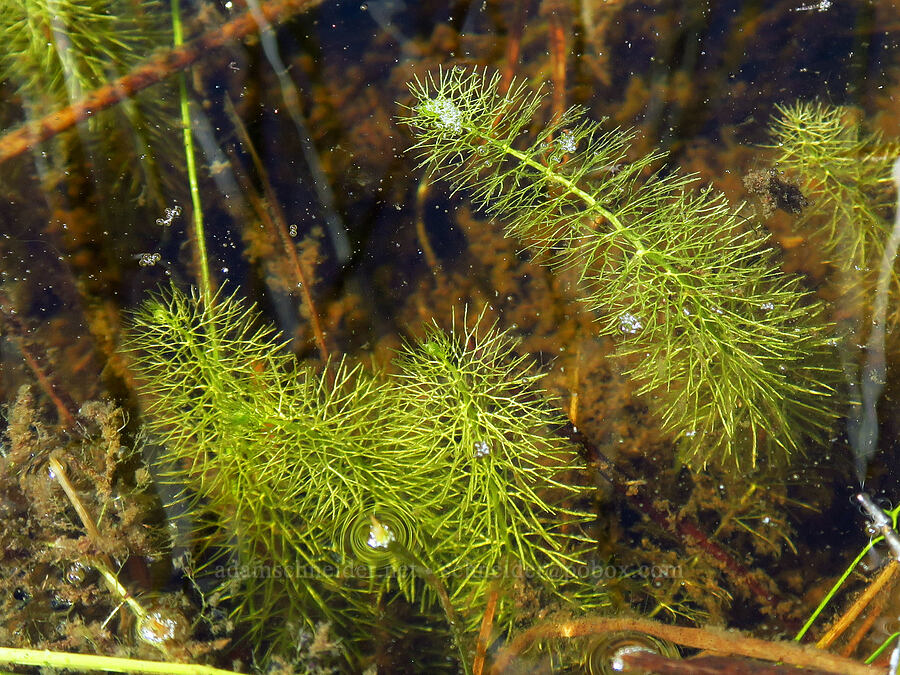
(735,353)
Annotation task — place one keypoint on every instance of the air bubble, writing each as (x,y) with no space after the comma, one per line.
(380,535)
(629,323)
(161,626)
(366,537)
(76,574)
(605,654)
(566,142)
(445,115)
(171,214)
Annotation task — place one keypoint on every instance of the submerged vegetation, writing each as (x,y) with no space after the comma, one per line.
(57,51)
(90,43)
(736,354)
(321,490)
(846,173)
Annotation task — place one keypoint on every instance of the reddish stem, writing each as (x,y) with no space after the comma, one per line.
(686,530)
(159,67)
(33,356)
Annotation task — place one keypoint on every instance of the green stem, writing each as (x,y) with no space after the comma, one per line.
(569,185)
(688,290)
(112,664)
(403,554)
(892,638)
(199,232)
(589,199)
(834,589)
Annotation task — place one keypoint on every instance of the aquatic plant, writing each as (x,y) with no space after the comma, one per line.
(845,173)
(57,51)
(733,353)
(268,450)
(441,481)
(473,411)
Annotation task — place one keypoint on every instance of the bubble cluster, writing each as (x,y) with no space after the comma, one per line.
(171,214)
(567,142)
(629,323)
(444,113)
(148,259)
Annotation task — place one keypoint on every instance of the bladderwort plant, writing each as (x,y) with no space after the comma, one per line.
(319,495)
(847,173)
(733,353)
(56,51)
(336,491)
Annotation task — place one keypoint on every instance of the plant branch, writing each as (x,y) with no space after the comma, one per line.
(101,561)
(873,589)
(272,216)
(112,664)
(716,640)
(158,68)
(484,634)
(206,284)
(640,661)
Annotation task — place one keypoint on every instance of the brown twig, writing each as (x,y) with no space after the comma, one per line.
(513,46)
(558,37)
(156,69)
(639,661)
(273,218)
(848,617)
(686,530)
(484,634)
(714,640)
(421,232)
(876,608)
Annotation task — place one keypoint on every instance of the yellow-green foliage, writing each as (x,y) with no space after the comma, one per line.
(733,353)
(57,51)
(447,467)
(846,174)
(472,409)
